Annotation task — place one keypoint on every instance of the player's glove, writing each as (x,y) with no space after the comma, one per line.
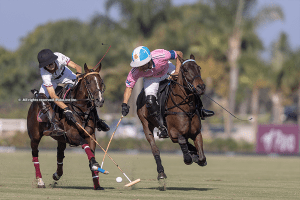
(125,109)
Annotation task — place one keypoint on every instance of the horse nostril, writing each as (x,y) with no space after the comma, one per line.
(201,87)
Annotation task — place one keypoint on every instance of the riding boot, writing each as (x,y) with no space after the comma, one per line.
(203,112)
(54,129)
(153,109)
(100,124)
(206,113)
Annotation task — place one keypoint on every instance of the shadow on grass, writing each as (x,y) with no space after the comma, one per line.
(79,187)
(183,188)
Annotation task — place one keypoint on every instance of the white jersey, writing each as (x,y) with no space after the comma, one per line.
(62,75)
(61,62)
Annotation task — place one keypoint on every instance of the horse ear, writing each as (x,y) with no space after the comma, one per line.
(180,59)
(86,69)
(192,57)
(98,68)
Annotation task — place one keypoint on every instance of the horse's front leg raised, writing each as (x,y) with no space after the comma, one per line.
(187,158)
(155,151)
(60,157)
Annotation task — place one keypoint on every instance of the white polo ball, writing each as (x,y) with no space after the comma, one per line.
(119,179)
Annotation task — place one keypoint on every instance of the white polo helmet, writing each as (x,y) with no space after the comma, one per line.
(140,56)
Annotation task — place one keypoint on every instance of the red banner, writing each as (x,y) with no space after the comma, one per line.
(281,139)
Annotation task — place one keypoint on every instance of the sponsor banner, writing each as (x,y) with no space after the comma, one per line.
(281,139)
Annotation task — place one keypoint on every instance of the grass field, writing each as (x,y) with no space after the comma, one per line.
(225,177)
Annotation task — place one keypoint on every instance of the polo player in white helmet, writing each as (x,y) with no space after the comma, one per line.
(154,67)
(54,70)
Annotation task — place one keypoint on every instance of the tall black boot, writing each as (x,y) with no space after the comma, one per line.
(153,109)
(100,124)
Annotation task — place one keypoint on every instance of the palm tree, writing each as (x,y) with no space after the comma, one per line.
(141,17)
(280,53)
(139,20)
(235,43)
(291,82)
(253,74)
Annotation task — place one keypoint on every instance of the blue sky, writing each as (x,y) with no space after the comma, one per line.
(20,17)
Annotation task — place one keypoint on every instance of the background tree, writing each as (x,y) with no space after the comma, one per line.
(291,81)
(280,53)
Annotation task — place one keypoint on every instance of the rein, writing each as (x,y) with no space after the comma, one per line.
(186,99)
(90,98)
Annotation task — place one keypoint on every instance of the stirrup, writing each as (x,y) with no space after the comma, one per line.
(54,131)
(57,133)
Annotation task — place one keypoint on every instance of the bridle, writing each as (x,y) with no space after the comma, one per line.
(189,83)
(185,100)
(87,83)
(90,98)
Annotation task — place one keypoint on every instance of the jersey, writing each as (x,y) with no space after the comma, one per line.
(160,58)
(61,62)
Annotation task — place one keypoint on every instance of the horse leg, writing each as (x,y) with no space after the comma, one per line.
(60,157)
(193,151)
(187,158)
(199,146)
(155,151)
(35,160)
(95,174)
(92,162)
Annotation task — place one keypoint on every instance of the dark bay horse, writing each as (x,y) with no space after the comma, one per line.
(181,115)
(88,95)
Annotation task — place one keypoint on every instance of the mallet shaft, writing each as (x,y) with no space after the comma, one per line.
(110,141)
(107,154)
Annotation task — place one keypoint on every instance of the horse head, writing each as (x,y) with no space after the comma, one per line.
(94,84)
(191,75)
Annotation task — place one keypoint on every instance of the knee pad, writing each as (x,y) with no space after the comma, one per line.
(152,105)
(150,101)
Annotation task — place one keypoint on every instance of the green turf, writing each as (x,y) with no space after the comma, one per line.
(237,177)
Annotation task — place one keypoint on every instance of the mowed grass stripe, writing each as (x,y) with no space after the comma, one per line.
(237,177)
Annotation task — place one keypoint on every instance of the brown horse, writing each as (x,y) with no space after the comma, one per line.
(88,95)
(181,115)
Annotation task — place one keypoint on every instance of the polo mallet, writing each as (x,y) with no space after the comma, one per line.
(131,182)
(110,142)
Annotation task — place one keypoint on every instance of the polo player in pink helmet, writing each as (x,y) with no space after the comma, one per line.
(154,67)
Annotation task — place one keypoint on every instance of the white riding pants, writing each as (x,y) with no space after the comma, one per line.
(151,84)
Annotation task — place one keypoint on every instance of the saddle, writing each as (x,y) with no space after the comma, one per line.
(162,95)
(63,92)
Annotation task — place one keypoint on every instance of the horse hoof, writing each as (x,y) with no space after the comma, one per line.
(202,164)
(187,159)
(56,177)
(99,188)
(188,163)
(161,175)
(40,183)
